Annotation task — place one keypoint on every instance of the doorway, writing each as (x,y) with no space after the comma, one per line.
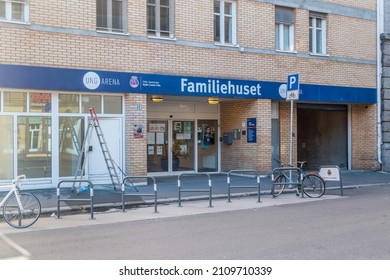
(181,146)
(323,135)
(171,146)
(97,168)
(207,131)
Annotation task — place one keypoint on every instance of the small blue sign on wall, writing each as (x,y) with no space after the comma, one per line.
(251,134)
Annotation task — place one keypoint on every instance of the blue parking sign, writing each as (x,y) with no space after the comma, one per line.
(292,87)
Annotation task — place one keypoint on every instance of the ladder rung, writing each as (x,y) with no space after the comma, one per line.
(80,170)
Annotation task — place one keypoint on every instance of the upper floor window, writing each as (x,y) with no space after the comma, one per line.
(111,15)
(14,10)
(317,34)
(160,18)
(284,29)
(225,22)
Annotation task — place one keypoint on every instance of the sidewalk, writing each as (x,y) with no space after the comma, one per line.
(105,197)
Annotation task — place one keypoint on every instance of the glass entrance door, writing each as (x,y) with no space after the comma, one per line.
(207,145)
(183,157)
(170,146)
(158,159)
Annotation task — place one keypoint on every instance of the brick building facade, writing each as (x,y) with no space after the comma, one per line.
(385,88)
(48,47)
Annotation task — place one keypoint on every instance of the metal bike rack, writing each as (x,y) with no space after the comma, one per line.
(242,173)
(194,190)
(297,171)
(139,186)
(90,199)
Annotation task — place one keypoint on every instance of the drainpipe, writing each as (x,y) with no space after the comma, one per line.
(380,30)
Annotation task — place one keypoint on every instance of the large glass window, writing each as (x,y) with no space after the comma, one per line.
(26,130)
(317,34)
(225,22)
(111,15)
(15,102)
(7,148)
(160,18)
(14,10)
(71,137)
(34,146)
(284,29)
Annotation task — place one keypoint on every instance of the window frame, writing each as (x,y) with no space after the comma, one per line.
(8,12)
(280,29)
(313,38)
(156,31)
(110,17)
(222,15)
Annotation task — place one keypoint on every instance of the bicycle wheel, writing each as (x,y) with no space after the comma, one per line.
(313,185)
(279,185)
(22,219)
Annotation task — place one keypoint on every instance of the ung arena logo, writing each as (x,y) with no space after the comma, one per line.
(91,80)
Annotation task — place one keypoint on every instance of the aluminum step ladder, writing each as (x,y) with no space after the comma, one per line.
(110,163)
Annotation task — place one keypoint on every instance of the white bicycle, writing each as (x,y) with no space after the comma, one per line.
(20,209)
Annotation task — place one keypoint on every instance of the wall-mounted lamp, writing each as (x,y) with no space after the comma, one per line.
(157,98)
(213,101)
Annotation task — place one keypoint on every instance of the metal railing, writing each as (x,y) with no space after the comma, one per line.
(246,175)
(129,178)
(181,190)
(59,199)
(289,173)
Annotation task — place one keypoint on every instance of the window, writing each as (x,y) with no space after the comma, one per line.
(34,137)
(160,18)
(40,102)
(284,29)
(71,139)
(111,15)
(88,101)
(15,102)
(14,10)
(68,103)
(34,146)
(112,104)
(317,34)
(7,147)
(225,22)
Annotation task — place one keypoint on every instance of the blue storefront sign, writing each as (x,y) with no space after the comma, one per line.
(61,79)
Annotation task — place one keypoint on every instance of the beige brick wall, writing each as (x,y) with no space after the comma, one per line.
(194,21)
(78,46)
(135,147)
(256,25)
(136,18)
(364,133)
(284,117)
(117,54)
(241,154)
(71,13)
(351,37)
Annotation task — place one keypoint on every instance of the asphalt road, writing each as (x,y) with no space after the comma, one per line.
(355,227)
